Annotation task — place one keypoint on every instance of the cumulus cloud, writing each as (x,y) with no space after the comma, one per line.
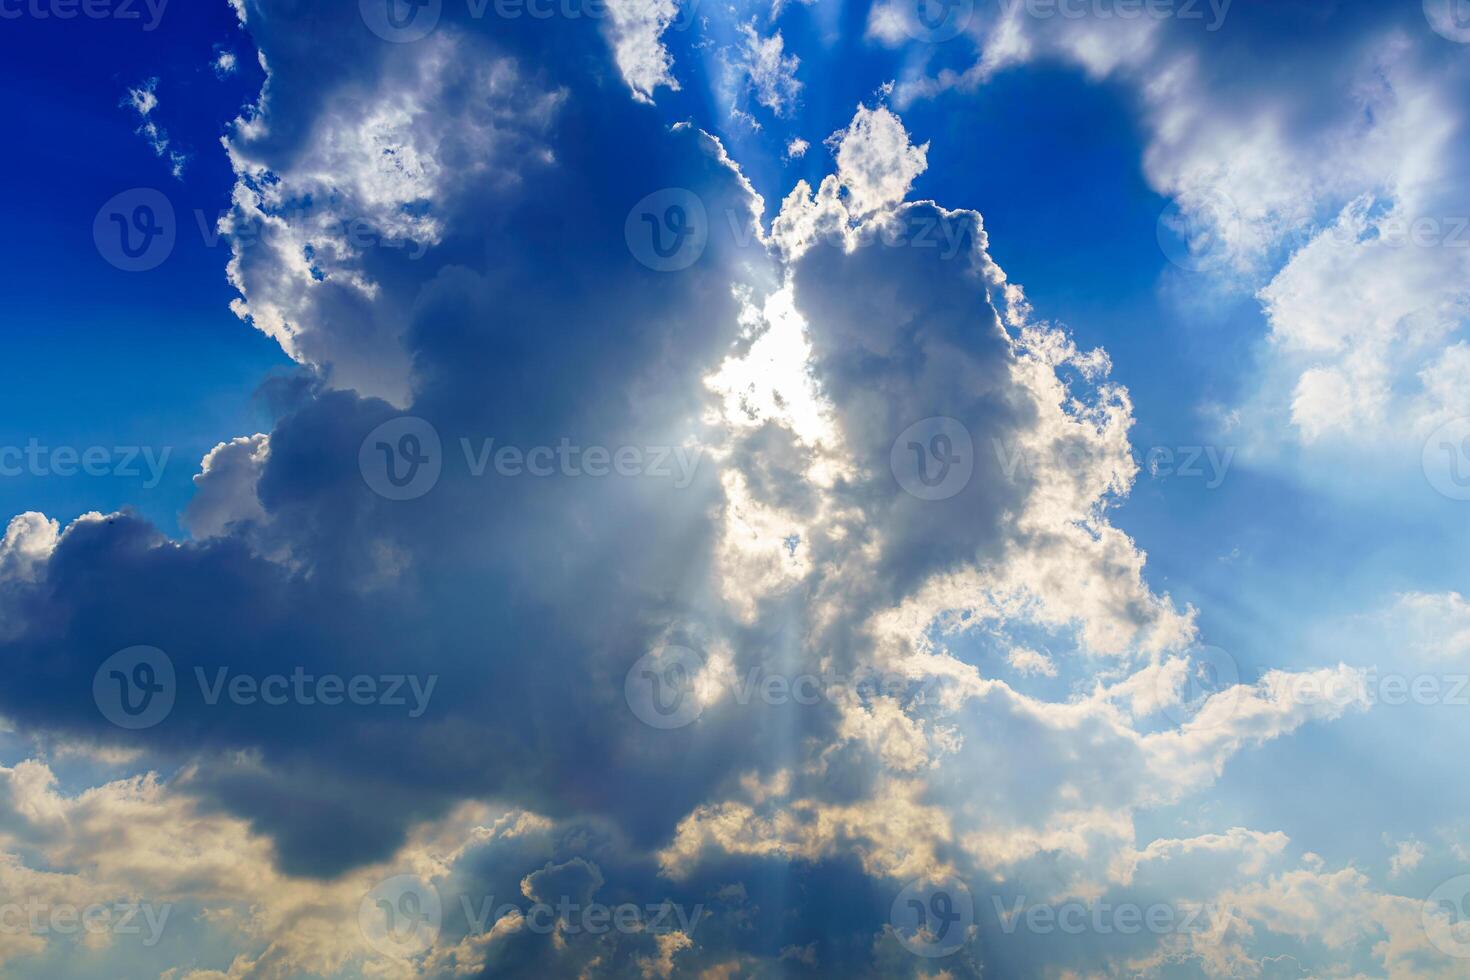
(1335,204)
(414,226)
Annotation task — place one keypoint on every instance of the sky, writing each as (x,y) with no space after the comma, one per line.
(680,488)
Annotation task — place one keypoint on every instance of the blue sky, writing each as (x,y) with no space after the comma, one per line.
(1036,485)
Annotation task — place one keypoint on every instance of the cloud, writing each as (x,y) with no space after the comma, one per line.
(635,28)
(1303,195)
(144,100)
(771,73)
(450,230)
